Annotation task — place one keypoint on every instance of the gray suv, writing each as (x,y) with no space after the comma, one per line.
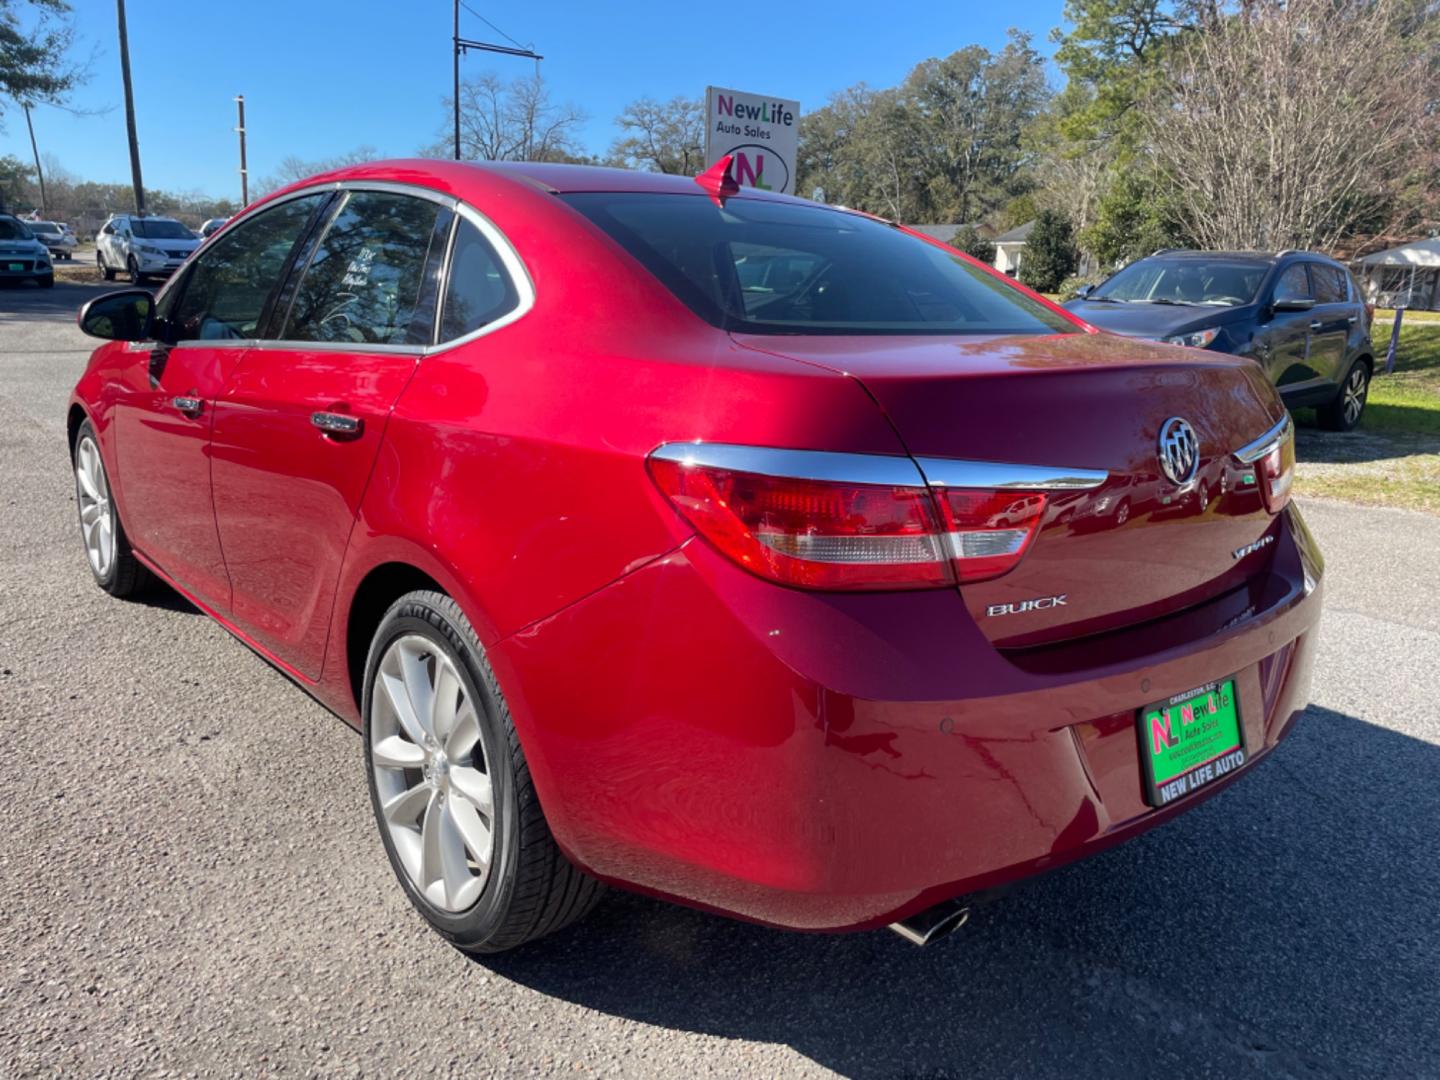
(1298,314)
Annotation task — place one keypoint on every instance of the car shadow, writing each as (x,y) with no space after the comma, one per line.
(157,594)
(1366,443)
(24,301)
(1287,925)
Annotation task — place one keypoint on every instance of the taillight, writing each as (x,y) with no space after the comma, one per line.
(989,531)
(1273,458)
(843,521)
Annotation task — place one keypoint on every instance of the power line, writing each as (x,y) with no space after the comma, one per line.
(492,26)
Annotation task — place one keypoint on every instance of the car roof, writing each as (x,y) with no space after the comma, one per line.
(1268,258)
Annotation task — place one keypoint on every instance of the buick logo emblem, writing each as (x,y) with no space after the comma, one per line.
(1179,451)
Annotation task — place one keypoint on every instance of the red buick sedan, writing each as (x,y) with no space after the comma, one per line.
(741,550)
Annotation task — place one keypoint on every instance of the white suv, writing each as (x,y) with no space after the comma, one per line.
(142,246)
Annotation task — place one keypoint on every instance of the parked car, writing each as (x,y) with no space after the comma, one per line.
(22,256)
(765,600)
(211,226)
(142,246)
(1300,315)
(53,235)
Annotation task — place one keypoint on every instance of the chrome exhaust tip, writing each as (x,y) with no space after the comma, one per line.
(932,924)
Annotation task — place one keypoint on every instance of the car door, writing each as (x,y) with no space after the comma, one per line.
(299,424)
(163,421)
(1285,347)
(1331,322)
(105,244)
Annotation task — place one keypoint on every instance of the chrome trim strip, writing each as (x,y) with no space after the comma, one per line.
(994,475)
(822,465)
(1252,452)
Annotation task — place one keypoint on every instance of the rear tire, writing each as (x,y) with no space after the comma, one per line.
(46,282)
(451,791)
(107,548)
(1348,406)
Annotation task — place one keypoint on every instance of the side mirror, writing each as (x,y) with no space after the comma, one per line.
(127,315)
(1294,303)
(1084,291)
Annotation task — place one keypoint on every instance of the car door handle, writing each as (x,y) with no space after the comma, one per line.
(336,423)
(188,405)
(1315,325)
(1353,319)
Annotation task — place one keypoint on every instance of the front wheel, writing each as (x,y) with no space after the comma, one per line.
(105,269)
(1344,412)
(450,788)
(107,548)
(134,269)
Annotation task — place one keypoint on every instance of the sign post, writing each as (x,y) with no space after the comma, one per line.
(763,134)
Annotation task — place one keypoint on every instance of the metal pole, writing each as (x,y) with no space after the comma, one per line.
(130,112)
(244,173)
(39,172)
(455,43)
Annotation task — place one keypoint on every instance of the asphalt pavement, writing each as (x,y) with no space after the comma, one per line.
(191,879)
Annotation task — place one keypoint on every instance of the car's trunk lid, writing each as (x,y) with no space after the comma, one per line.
(1138,546)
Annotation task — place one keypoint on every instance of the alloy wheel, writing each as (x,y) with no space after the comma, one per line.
(431,776)
(97,515)
(1357,387)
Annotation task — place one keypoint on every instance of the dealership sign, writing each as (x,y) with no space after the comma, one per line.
(761,133)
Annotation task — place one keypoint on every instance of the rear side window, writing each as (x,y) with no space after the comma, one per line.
(478,290)
(227,285)
(782,268)
(1294,284)
(1330,284)
(364,281)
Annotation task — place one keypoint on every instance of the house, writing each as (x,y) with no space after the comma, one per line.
(946,233)
(1405,276)
(1009,246)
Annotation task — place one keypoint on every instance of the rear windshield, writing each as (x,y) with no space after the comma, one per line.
(160,229)
(780,268)
(49,228)
(1202,282)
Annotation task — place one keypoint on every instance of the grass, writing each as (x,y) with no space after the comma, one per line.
(1393,457)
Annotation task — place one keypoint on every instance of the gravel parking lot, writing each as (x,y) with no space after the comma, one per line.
(192,880)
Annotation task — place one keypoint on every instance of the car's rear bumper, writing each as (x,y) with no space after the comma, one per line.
(829,761)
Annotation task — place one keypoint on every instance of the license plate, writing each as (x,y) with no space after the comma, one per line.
(1189,741)
(16,267)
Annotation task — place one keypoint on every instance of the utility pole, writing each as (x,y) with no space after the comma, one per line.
(130,112)
(463,45)
(244,173)
(39,172)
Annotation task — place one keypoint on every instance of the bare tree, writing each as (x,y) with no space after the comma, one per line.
(295,168)
(515,121)
(667,137)
(1288,123)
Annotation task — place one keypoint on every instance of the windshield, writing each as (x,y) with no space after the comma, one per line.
(47,227)
(779,268)
(1213,283)
(160,229)
(10,229)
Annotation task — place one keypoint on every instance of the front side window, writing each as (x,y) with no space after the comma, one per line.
(478,290)
(225,290)
(1159,279)
(1294,284)
(778,268)
(364,281)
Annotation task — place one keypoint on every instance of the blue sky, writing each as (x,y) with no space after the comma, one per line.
(321,77)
